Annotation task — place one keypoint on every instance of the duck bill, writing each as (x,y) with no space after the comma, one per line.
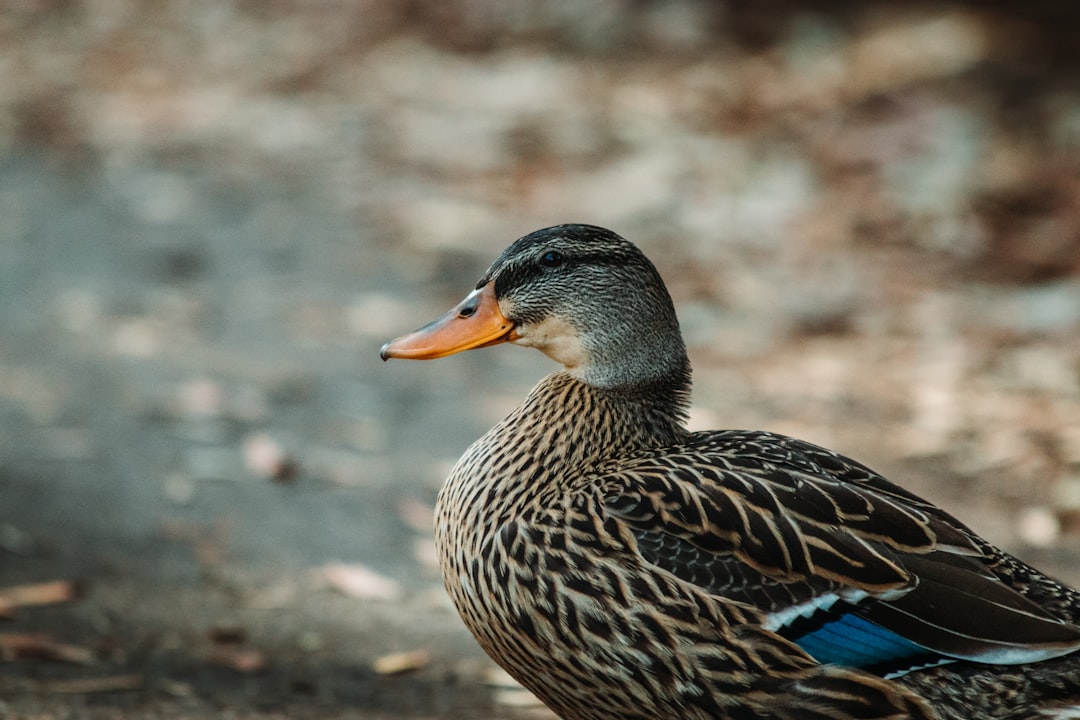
(475,322)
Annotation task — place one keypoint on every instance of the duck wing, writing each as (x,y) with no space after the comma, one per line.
(850,567)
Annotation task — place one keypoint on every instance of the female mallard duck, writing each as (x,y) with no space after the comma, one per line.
(624,568)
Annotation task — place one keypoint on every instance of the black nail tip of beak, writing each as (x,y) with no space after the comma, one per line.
(383,353)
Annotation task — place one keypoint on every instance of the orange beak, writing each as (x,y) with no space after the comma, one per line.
(475,322)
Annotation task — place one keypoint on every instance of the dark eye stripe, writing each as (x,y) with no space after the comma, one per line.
(522,271)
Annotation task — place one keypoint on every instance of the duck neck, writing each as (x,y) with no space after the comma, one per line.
(564,426)
(643,361)
(572,422)
(546,445)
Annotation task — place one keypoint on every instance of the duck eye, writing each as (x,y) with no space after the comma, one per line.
(551,258)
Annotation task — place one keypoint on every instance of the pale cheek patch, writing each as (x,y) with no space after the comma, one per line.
(556,338)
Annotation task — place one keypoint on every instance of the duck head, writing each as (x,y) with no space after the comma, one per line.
(580,294)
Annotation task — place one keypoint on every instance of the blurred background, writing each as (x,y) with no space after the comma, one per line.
(215,499)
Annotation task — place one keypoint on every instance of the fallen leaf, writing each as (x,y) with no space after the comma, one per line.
(26,646)
(402,662)
(266,457)
(359,581)
(47,593)
(177,688)
(246,662)
(518,698)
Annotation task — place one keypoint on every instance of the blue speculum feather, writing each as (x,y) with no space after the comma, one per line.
(852,641)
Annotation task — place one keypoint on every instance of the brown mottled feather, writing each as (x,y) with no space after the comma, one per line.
(553,587)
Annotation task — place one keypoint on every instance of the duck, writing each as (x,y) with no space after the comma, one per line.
(623,567)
